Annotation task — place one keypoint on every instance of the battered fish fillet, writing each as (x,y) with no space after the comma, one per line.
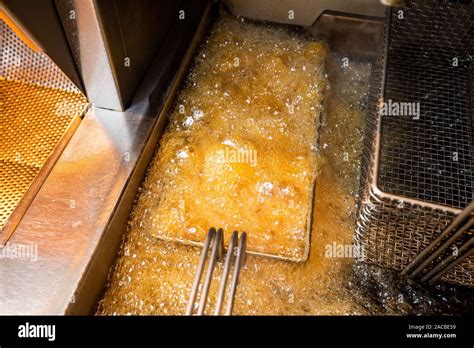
(240,149)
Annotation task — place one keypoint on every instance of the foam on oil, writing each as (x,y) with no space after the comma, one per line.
(240,149)
(229,106)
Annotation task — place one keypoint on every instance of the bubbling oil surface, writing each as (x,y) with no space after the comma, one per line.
(154,277)
(240,149)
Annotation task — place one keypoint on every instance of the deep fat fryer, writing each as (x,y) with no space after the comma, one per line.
(122,64)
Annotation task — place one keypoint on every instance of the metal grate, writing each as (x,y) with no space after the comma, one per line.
(429,158)
(20,63)
(37,103)
(418,170)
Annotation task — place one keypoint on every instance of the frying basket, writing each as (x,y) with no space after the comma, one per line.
(418,167)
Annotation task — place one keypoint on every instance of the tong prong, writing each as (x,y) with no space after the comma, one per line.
(236,251)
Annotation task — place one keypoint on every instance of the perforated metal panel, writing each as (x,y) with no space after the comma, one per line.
(20,63)
(37,104)
(418,170)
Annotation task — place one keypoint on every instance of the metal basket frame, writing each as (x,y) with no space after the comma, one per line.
(392,228)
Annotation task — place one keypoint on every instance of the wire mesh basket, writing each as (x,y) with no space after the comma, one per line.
(418,165)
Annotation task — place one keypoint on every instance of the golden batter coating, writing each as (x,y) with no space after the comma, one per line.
(239,152)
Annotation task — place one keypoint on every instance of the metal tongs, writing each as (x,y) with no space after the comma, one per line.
(235,250)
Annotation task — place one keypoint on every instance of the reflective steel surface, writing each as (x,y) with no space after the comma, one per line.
(69,213)
(58,258)
(39,110)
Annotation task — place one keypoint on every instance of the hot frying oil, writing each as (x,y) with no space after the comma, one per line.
(256,91)
(240,149)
